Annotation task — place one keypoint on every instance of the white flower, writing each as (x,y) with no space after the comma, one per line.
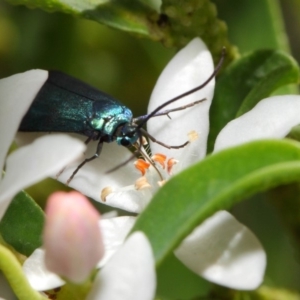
(233,256)
(227,253)
(236,259)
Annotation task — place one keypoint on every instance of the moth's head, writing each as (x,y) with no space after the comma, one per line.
(127,134)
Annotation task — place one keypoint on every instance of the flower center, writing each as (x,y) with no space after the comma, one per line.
(155,171)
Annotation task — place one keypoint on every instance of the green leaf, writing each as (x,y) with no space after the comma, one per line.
(185,283)
(262,293)
(216,183)
(22,225)
(132,16)
(247,18)
(247,81)
(288,210)
(175,25)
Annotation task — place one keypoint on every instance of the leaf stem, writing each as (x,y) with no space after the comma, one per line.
(15,276)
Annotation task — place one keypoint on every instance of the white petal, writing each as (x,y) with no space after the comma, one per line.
(225,252)
(271,118)
(114,232)
(16,95)
(133,201)
(37,274)
(129,275)
(189,68)
(29,164)
(93,176)
(109,215)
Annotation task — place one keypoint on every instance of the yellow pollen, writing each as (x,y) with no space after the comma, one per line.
(144,141)
(142,183)
(105,192)
(161,183)
(193,136)
(141,165)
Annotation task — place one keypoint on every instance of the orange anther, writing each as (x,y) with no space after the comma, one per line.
(142,166)
(171,162)
(160,158)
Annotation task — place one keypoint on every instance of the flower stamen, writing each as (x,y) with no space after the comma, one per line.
(193,136)
(144,141)
(161,182)
(159,158)
(105,192)
(142,183)
(142,165)
(171,162)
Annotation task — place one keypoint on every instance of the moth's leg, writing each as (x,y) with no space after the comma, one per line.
(61,171)
(97,154)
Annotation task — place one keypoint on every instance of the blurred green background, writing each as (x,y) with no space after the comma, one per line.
(127,68)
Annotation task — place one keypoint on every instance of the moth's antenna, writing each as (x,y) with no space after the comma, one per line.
(216,70)
(153,113)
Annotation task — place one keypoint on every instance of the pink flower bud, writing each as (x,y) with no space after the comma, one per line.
(72,238)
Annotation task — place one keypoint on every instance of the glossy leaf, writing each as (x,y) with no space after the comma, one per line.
(245,33)
(124,15)
(246,82)
(216,183)
(174,23)
(22,225)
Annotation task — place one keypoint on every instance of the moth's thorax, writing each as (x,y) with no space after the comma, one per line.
(107,118)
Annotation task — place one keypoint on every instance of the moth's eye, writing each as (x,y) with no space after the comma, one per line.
(125,142)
